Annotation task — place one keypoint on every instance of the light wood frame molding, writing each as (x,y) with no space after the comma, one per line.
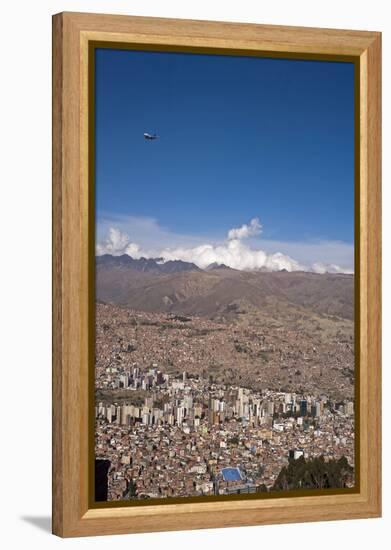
(72,515)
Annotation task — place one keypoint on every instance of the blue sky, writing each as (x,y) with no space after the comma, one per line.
(240,138)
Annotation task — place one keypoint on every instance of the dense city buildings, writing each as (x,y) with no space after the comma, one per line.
(172,428)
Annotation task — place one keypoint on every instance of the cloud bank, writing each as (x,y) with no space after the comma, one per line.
(232,252)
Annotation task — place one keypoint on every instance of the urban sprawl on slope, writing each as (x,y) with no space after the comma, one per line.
(171,433)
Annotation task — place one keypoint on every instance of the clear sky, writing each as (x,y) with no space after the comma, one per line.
(240,138)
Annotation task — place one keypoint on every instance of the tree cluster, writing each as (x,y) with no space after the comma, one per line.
(315,473)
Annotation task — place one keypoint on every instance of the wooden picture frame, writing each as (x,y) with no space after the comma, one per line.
(73,514)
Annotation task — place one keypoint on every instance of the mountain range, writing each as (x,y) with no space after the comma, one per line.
(153,285)
(144,265)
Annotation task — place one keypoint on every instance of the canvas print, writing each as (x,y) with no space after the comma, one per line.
(224,276)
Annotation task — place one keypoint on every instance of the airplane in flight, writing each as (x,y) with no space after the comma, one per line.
(150,137)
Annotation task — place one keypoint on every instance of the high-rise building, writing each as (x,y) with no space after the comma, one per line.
(188,401)
(149,402)
(180,414)
(118,415)
(270,408)
(349,408)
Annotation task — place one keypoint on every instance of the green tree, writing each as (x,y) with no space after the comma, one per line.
(132,489)
(315,473)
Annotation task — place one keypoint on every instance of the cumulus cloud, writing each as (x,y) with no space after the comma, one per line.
(251,230)
(319,267)
(115,243)
(233,252)
(315,253)
(118,243)
(147,232)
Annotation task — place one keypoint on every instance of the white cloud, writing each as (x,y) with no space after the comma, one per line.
(234,254)
(327,253)
(115,243)
(153,241)
(118,243)
(319,267)
(245,231)
(146,231)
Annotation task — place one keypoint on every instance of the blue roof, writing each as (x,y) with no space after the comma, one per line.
(231,474)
